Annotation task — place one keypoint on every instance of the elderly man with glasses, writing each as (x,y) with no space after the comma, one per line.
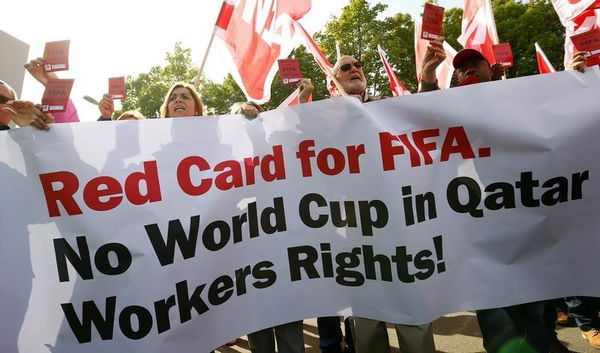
(369,335)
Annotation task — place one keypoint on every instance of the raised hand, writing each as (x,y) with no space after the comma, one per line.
(434,56)
(306,89)
(36,68)
(106,106)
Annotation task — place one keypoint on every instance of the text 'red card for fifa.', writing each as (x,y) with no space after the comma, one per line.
(588,42)
(503,54)
(116,87)
(289,70)
(56,56)
(433,19)
(56,95)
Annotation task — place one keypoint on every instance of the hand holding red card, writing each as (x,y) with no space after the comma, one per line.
(588,42)
(289,70)
(503,54)
(433,18)
(116,87)
(56,95)
(56,56)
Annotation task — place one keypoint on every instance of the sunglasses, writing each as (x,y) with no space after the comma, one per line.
(348,67)
(4,99)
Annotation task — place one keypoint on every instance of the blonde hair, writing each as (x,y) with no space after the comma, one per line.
(131,113)
(199,105)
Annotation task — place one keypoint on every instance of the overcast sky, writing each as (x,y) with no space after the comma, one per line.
(127,37)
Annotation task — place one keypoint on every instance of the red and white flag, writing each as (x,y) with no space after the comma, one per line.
(544,65)
(397,86)
(320,58)
(257,33)
(567,10)
(443,72)
(586,21)
(479,28)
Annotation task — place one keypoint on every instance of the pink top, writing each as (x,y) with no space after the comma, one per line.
(69,116)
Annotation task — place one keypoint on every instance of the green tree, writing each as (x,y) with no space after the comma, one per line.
(218,97)
(522,24)
(358,31)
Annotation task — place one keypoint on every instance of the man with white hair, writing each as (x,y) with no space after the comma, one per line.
(371,335)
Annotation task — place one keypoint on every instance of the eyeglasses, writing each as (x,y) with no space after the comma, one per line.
(4,99)
(348,67)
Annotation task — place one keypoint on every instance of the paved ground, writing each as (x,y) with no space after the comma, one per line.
(454,333)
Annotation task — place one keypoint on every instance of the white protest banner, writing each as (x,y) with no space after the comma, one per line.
(180,234)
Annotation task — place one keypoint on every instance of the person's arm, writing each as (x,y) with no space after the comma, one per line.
(25,113)
(35,67)
(434,56)
(106,107)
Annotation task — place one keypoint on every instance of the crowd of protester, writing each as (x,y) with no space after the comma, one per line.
(527,327)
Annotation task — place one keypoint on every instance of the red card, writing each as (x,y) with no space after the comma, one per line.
(116,87)
(56,95)
(503,54)
(56,56)
(433,18)
(588,42)
(289,70)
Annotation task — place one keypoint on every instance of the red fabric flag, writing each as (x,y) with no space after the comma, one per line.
(445,71)
(544,65)
(479,28)
(397,86)
(320,58)
(567,10)
(256,34)
(225,14)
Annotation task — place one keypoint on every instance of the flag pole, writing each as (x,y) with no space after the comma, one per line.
(322,64)
(222,22)
(201,70)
